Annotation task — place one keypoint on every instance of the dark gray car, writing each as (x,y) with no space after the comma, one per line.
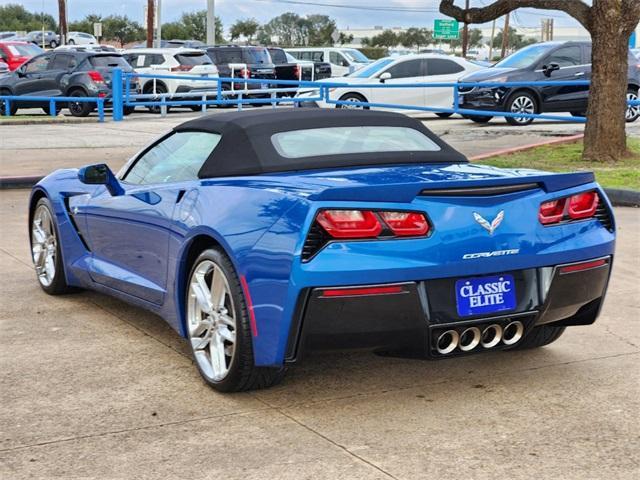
(49,39)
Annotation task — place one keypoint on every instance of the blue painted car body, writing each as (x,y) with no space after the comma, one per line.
(135,246)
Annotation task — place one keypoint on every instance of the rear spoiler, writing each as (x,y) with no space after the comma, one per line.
(406,192)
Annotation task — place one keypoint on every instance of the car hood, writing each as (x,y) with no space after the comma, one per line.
(487,74)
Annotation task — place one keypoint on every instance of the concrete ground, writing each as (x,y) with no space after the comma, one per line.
(41,148)
(94,388)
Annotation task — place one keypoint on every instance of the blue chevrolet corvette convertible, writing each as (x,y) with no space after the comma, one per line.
(261,236)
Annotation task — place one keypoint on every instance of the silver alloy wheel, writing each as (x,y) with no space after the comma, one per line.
(44,245)
(522,105)
(354,101)
(211,320)
(633,111)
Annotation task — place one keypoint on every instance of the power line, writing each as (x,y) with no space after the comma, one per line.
(354,7)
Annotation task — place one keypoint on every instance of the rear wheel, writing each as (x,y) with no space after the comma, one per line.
(53,44)
(219,329)
(354,99)
(159,90)
(540,336)
(45,249)
(3,104)
(444,114)
(80,109)
(479,118)
(633,111)
(521,102)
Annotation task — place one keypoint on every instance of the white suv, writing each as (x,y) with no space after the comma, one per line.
(174,61)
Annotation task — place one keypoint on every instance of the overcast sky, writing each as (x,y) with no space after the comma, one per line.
(392,13)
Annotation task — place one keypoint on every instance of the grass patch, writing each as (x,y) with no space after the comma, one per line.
(568,158)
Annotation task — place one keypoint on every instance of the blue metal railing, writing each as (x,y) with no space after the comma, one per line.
(51,101)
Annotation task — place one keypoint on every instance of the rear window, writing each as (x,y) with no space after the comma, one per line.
(278,56)
(256,55)
(228,55)
(350,140)
(24,50)
(193,59)
(109,61)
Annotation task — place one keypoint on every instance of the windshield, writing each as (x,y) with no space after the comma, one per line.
(525,57)
(27,50)
(355,56)
(372,69)
(350,140)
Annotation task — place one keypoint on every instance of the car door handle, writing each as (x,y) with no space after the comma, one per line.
(579,74)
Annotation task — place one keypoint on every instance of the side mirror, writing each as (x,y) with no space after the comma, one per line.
(548,69)
(100,174)
(384,77)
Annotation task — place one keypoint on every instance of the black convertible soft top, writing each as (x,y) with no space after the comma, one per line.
(246,148)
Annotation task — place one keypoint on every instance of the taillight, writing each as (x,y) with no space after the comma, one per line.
(350,223)
(576,207)
(245,73)
(406,224)
(95,76)
(296,71)
(583,205)
(551,212)
(181,68)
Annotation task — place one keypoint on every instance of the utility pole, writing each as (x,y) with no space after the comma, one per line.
(62,20)
(465,31)
(493,35)
(151,22)
(211,22)
(505,36)
(159,24)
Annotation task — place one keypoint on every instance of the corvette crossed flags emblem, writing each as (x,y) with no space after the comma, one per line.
(489,227)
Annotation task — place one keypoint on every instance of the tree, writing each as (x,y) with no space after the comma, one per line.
(610,23)
(191,26)
(475,39)
(516,41)
(319,30)
(86,24)
(343,38)
(415,37)
(121,29)
(385,39)
(14,17)
(244,28)
(290,30)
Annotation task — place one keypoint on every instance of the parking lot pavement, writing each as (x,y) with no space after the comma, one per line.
(94,388)
(27,150)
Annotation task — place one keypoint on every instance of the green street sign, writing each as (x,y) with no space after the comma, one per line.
(446,29)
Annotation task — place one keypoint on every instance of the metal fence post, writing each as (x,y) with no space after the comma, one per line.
(100,110)
(7,107)
(456,98)
(52,108)
(116,92)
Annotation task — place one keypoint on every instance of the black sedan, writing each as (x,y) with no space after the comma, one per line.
(549,61)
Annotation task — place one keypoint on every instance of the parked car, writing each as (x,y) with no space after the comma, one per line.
(243,62)
(182,44)
(88,48)
(16,53)
(4,68)
(559,61)
(343,61)
(81,38)
(5,35)
(417,68)
(260,236)
(288,68)
(64,74)
(175,62)
(49,39)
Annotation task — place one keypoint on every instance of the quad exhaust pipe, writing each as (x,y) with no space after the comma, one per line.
(473,337)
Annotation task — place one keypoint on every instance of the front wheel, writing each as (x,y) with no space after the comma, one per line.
(219,328)
(479,118)
(45,249)
(521,102)
(352,100)
(633,111)
(71,42)
(53,44)
(80,109)
(444,114)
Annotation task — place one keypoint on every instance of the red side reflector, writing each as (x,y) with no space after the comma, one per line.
(354,292)
(583,205)
(551,212)
(578,267)
(406,223)
(252,315)
(350,223)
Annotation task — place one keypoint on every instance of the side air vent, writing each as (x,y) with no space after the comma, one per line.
(316,239)
(604,216)
(479,191)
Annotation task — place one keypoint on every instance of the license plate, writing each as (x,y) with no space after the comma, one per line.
(264,86)
(482,295)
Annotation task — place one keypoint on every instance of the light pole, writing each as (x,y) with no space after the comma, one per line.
(211,22)
(159,24)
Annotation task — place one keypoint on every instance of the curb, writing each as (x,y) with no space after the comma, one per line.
(49,121)
(7,183)
(523,148)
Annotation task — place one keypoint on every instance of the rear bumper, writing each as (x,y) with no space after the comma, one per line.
(412,315)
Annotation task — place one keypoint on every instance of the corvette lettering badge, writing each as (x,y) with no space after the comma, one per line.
(489,227)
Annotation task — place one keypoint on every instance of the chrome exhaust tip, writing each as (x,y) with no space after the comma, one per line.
(512,333)
(491,336)
(447,342)
(469,339)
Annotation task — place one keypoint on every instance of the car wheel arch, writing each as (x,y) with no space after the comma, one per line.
(530,91)
(36,195)
(148,87)
(76,88)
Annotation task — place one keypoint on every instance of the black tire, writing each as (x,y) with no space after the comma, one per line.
(128,110)
(80,109)
(53,44)
(58,283)
(444,114)
(13,108)
(160,88)
(71,42)
(578,114)
(242,374)
(352,97)
(196,108)
(521,102)
(539,337)
(632,113)
(479,118)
